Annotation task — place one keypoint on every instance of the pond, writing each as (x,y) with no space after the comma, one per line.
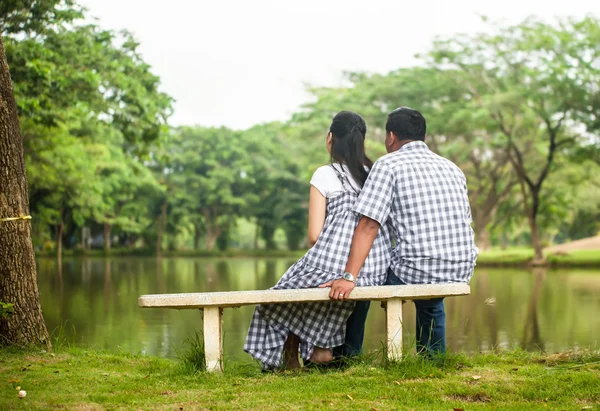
(93,303)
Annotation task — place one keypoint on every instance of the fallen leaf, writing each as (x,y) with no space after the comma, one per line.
(587,407)
(349,397)
(331,404)
(147,376)
(476,377)
(458,409)
(490,301)
(431,375)
(12,381)
(397,382)
(18,388)
(56,372)
(166,393)
(515,369)
(374,409)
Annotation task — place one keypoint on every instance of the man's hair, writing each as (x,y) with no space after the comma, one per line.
(407,124)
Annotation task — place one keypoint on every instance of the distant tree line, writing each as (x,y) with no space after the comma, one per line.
(517,110)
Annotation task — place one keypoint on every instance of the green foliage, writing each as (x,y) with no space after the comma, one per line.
(36,16)
(6,309)
(516,109)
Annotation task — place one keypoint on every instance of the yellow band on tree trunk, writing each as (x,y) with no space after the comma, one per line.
(26,217)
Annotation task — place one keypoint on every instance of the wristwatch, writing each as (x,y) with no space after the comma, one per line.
(349,277)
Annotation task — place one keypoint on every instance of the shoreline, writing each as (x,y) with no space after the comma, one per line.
(512,258)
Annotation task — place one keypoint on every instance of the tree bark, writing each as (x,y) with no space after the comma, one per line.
(197,236)
(211,239)
(536,242)
(18,277)
(482,238)
(59,236)
(162,222)
(212,229)
(107,229)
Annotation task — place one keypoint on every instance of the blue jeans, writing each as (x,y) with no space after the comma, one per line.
(355,331)
(431,325)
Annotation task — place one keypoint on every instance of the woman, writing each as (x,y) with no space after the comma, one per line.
(279,331)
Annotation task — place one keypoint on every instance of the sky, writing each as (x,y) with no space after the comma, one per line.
(243,62)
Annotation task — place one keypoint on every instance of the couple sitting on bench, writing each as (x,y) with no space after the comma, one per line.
(405,219)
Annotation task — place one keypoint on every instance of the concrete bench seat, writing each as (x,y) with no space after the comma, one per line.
(213,303)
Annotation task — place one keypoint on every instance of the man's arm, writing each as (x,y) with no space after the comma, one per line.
(362,241)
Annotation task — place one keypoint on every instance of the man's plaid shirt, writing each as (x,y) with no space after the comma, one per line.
(425,197)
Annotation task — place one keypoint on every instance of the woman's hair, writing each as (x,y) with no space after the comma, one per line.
(348,131)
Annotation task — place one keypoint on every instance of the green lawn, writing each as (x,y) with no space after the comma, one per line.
(88,380)
(522,256)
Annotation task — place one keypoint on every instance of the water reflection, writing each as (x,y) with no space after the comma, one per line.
(97,300)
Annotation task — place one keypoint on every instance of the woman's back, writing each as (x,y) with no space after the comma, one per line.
(330,252)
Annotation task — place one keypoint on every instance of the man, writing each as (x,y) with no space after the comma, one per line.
(425,196)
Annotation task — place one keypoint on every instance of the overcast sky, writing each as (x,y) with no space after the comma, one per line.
(243,62)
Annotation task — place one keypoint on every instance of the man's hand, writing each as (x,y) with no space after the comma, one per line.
(340,289)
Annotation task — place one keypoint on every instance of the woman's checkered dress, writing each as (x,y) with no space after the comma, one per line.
(321,324)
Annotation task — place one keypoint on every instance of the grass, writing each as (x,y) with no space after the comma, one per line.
(523,256)
(76,379)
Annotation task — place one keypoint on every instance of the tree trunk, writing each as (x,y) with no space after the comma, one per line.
(482,239)
(480,227)
(197,236)
(538,257)
(107,228)
(536,242)
(211,239)
(160,229)
(59,236)
(256,235)
(18,277)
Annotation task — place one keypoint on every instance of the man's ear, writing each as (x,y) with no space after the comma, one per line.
(393,138)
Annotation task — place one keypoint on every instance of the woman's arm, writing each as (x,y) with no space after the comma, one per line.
(317,207)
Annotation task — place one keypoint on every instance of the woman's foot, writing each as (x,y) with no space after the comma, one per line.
(290,353)
(321,355)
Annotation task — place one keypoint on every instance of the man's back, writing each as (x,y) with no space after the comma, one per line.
(429,212)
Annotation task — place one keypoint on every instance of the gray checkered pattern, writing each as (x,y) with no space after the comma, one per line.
(424,197)
(317,324)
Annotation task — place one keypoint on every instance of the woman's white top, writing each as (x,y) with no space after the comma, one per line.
(327,182)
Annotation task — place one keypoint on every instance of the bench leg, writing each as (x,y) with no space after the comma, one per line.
(213,339)
(394,329)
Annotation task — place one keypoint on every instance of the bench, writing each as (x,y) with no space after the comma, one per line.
(213,303)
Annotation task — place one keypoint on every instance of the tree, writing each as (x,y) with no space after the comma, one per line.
(209,169)
(18,277)
(123,181)
(35,16)
(535,81)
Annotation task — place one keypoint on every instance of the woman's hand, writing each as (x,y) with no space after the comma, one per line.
(340,289)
